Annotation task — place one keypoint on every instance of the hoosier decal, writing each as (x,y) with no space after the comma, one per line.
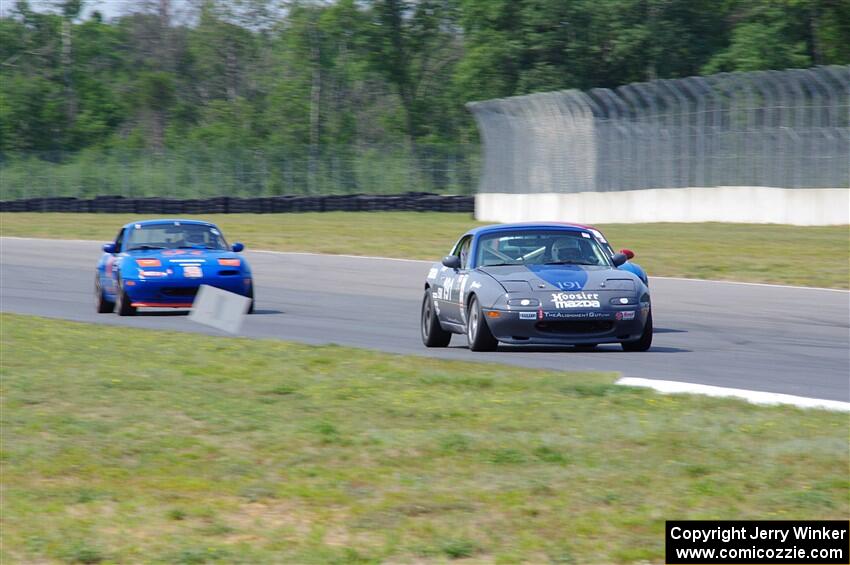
(575,300)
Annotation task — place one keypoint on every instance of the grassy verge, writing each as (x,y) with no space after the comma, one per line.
(124,445)
(808,256)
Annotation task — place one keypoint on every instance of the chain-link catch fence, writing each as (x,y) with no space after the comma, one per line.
(784,129)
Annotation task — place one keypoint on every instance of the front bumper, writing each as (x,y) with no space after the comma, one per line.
(560,327)
(179,292)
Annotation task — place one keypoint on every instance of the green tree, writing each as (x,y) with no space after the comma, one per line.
(767,34)
(320,80)
(413,48)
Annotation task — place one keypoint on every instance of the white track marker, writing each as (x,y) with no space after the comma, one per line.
(753,396)
(219,308)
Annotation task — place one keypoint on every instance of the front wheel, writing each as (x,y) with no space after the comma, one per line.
(477,331)
(124,304)
(251,296)
(433,335)
(103,305)
(645,341)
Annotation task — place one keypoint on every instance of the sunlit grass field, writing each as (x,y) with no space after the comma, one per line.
(123,445)
(808,256)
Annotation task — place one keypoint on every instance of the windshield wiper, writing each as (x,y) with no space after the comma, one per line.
(569,263)
(143,247)
(501,264)
(196,247)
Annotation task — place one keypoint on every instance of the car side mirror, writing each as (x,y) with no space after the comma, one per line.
(619,258)
(237,247)
(109,247)
(451,261)
(628,253)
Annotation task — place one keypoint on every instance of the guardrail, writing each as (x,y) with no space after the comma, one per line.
(410,201)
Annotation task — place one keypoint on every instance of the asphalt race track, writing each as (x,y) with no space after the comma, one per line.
(774,339)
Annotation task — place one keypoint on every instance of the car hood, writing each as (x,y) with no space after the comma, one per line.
(519,278)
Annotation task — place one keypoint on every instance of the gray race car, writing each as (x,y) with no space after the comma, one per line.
(535,283)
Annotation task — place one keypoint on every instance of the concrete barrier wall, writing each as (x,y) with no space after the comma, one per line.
(740,204)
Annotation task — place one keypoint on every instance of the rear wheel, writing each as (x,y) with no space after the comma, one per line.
(433,335)
(477,331)
(123,304)
(645,341)
(103,305)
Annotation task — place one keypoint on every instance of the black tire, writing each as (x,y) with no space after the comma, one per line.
(645,341)
(124,306)
(103,305)
(251,296)
(433,335)
(586,346)
(477,331)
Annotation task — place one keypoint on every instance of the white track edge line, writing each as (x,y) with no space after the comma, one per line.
(769,285)
(424,261)
(51,239)
(371,257)
(752,396)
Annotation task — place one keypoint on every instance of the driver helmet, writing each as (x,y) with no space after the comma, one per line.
(566,249)
(195,238)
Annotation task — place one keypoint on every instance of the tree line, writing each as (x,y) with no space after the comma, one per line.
(318,76)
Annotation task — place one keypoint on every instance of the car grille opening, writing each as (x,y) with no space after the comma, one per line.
(228,272)
(179,291)
(575,326)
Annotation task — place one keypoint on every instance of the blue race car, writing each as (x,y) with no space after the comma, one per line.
(628,265)
(161,264)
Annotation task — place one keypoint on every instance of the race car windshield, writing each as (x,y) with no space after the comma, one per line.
(175,236)
(540,247)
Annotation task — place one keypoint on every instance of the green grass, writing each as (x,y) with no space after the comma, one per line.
(124,445)
(808,256)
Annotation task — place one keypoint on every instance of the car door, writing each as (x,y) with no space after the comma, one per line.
(452,285)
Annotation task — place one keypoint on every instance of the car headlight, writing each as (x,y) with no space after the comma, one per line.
(516,286)
(622,285)
(523,302)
